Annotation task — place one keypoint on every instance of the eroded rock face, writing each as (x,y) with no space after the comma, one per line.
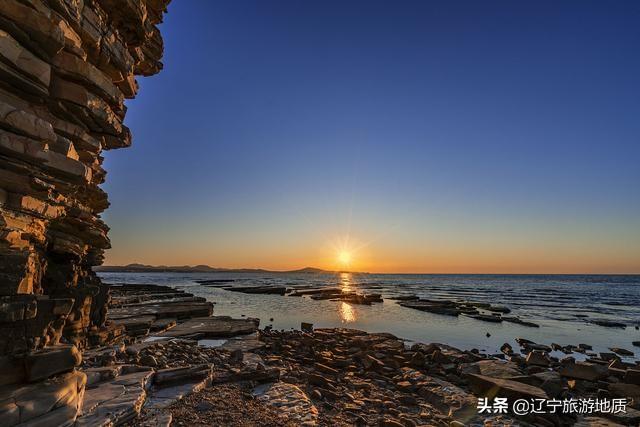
(66,67)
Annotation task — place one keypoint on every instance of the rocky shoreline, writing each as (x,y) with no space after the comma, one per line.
(175,363)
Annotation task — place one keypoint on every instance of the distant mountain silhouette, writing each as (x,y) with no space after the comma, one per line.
(143,268)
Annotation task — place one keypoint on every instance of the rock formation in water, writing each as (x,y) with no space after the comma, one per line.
(66,67)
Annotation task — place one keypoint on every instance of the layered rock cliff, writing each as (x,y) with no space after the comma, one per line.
(66,68)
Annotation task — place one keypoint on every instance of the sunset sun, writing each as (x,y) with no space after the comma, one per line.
(344,257)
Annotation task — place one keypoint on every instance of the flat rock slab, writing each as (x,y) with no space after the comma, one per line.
(102,373)
(492,387)
(167,396)
(212,327)
(298,292)
(184,298)
(186,374)
(245,343)
(53,402)
(267,289)
(584,371)
(493,368)
(290,399)
(136,326)
(178,310)
(447,308)
(116,401)
(142,298)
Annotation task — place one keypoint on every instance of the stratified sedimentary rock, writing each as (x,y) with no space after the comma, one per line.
(66,67)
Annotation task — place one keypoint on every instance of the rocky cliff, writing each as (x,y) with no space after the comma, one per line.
(66,68)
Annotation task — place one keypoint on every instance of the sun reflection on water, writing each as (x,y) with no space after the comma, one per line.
(347,313)
(345,282)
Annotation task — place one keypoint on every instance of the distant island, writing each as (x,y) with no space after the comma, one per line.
(143,268)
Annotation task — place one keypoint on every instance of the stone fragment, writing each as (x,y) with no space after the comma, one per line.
(492,387)
(492,368)
(583,371)
(165,377)
(537,358)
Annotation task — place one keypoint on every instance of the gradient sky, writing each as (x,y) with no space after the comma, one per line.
(427,136)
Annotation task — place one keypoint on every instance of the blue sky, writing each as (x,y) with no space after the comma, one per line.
(433,136)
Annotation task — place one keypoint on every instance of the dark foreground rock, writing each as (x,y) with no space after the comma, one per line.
(215,370)
(339,377)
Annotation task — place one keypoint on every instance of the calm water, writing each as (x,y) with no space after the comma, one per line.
(563,306)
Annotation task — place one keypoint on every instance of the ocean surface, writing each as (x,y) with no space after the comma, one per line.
(565,306)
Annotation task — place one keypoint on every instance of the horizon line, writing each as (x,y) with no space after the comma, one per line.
(232,269)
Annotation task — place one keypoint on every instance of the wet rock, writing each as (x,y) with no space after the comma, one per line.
(506,349)
(610,324)
(306,327)
(213,282)
(499,309)
(608,356)
(212,327)
(432,306)
(621,351)
(513,319)
(319,291)
(267,289)
(494,318)
(404,298)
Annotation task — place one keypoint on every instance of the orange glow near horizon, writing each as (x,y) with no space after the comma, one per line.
(447,254)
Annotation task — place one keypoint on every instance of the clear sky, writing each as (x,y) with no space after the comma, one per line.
(426,136)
